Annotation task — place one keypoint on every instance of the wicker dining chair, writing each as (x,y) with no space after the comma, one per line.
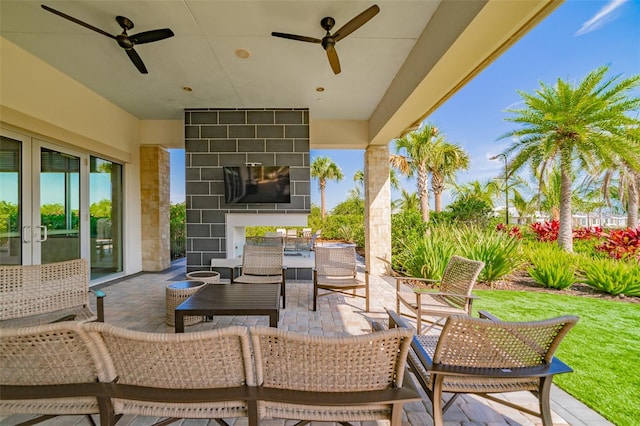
(485,356)
(333,379)
(263,265)
(57,359)
(178,376)
(336,271)
(453,296)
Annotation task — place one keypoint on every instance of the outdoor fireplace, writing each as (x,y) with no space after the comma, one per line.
(236,224)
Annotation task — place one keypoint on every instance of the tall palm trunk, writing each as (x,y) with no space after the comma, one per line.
(565,234)
(323,184)
(437,184)
(633,203)
(423,192)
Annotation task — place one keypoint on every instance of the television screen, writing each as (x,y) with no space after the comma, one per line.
(256,184)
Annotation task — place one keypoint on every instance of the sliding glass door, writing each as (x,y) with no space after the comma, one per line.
(57,204)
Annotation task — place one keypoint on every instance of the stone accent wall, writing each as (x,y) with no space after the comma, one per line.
(377,215)
(233,137)
(155,200)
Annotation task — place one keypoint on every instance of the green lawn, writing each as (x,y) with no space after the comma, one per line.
(603,348)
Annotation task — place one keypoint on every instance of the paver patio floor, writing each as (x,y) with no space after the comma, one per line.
(138,303)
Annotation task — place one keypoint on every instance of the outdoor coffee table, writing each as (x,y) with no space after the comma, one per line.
(231,299)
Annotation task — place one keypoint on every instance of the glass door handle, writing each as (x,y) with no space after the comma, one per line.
(43,234)
(26,234)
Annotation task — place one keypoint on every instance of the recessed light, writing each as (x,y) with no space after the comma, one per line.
(187,89)
(242,53)
(320,89)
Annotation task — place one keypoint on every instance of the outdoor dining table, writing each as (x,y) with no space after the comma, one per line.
(231,299)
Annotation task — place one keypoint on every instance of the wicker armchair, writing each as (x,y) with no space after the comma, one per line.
(42,294)
(200,375)
(484,356)
(336,271)
(332,379)
(453,298)
(43,367)
(263,265)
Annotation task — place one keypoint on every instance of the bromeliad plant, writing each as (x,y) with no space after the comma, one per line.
(428,256)
(500,252)
(622,243)
(551,266)
(546,231)
(612,276)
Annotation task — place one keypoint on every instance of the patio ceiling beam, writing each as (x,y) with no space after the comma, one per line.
(446,57)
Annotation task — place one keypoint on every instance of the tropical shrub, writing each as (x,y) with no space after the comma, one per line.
(612,276)
(470,210)
(177,230)
(500,252)
(407,228)
(551,266)
(622,243)
(427,256)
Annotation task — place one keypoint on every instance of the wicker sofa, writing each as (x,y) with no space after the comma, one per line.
(43,294)
(86,368)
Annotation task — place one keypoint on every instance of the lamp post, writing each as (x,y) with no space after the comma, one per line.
(506,184)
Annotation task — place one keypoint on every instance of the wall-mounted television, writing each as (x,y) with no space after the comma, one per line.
(256,184)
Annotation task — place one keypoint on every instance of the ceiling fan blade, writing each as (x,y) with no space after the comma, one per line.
(333,59)
(137,60)
(297,37)
(150,36)
(356,23)
(77,21)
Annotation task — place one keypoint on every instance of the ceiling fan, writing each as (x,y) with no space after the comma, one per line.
(124,40)
(329,41)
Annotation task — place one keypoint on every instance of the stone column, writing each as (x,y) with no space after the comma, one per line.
(377,213)
(154,192)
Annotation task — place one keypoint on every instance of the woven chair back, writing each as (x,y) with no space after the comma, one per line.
(336,261)
(481,343)
(40,286)
(262,260)
(50,354)
(288,360)
(206,359)
(459,277)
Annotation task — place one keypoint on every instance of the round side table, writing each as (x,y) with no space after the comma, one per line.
(209,277)
(177,293)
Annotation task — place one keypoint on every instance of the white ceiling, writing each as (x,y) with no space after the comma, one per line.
(384,63)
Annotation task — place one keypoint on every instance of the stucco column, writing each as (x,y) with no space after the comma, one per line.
(377,212)
(154,193)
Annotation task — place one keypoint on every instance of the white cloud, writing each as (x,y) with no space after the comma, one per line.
(603,16)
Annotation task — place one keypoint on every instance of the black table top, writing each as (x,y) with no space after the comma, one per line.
(234,297)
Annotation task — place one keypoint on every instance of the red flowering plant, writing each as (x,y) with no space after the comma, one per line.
(584,233)
(622,243)
(513,231)
(546,231)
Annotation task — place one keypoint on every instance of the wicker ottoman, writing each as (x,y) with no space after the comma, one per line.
(177,293)
(209,277)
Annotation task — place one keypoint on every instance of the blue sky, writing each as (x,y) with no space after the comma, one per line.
(578,37)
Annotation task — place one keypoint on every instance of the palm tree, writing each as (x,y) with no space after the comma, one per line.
(573,125)
(523,199)
(358,178)
(412,156)
(408,201)
(323,169)
(445,160)
(475,189)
